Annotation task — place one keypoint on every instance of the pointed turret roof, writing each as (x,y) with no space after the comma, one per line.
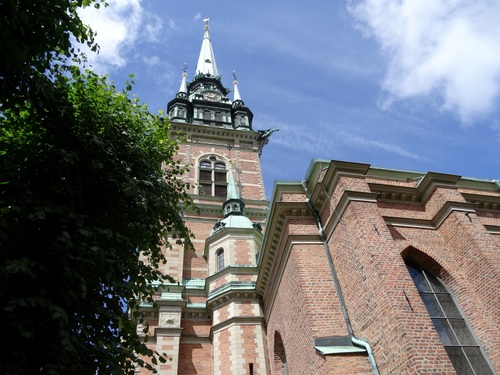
(233,208)
(206,61)
(236,91)
(232,191)
(183,87)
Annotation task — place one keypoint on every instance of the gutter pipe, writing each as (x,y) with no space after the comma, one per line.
(355,341)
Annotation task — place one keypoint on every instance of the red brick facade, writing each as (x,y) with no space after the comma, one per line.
(214,320)
(373,221)
(266,310)
(321,282)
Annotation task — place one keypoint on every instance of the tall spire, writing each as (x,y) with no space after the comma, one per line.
(206,61)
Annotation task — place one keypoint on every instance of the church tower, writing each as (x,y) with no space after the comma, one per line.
(210,320)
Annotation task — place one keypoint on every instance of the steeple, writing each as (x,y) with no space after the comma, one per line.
(206,61)
(205,101)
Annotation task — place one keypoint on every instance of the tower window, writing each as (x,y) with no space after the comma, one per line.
(458,340)
(207,117)
(220,259)
(212,178)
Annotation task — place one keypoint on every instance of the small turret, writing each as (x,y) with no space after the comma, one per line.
(233,208)
(180,108)
(242,116)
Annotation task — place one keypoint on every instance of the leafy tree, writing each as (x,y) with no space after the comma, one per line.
(88,184)
(89,190)
(34,35)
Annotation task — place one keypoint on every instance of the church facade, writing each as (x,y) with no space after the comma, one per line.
(354,270)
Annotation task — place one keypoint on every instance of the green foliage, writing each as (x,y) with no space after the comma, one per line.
(88,184)
(88,192)
(34,36)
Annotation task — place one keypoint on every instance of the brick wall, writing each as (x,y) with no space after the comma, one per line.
(370,235)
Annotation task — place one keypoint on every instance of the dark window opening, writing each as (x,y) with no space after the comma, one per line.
(212,179)
(458,339)
(220,259)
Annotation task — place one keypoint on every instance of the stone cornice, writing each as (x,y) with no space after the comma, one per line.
(196,313)
(231,292)
(483,202)
(418,194)
(233,269)
(236,320)
(434,222)
(215,208)
(279,212)
(322,186)
(185,339)
(219,136)
(493,229)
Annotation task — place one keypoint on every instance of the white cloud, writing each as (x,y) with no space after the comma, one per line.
(448,47)
(117,27)
(153,27)
(152,60)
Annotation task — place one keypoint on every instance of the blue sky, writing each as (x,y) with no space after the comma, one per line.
(408,84)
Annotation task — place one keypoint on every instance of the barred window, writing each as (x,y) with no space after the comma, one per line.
(458,339)
(212,179)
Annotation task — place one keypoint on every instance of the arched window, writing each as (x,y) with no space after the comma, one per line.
(220,259)
(280,363)
(212,178)
(458,340)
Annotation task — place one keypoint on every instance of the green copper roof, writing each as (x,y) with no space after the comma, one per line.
(206,61)
(232,191)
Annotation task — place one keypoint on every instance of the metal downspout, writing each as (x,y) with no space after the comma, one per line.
(336,282)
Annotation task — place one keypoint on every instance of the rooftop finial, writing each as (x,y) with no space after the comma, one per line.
(206,23)
(234,76)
